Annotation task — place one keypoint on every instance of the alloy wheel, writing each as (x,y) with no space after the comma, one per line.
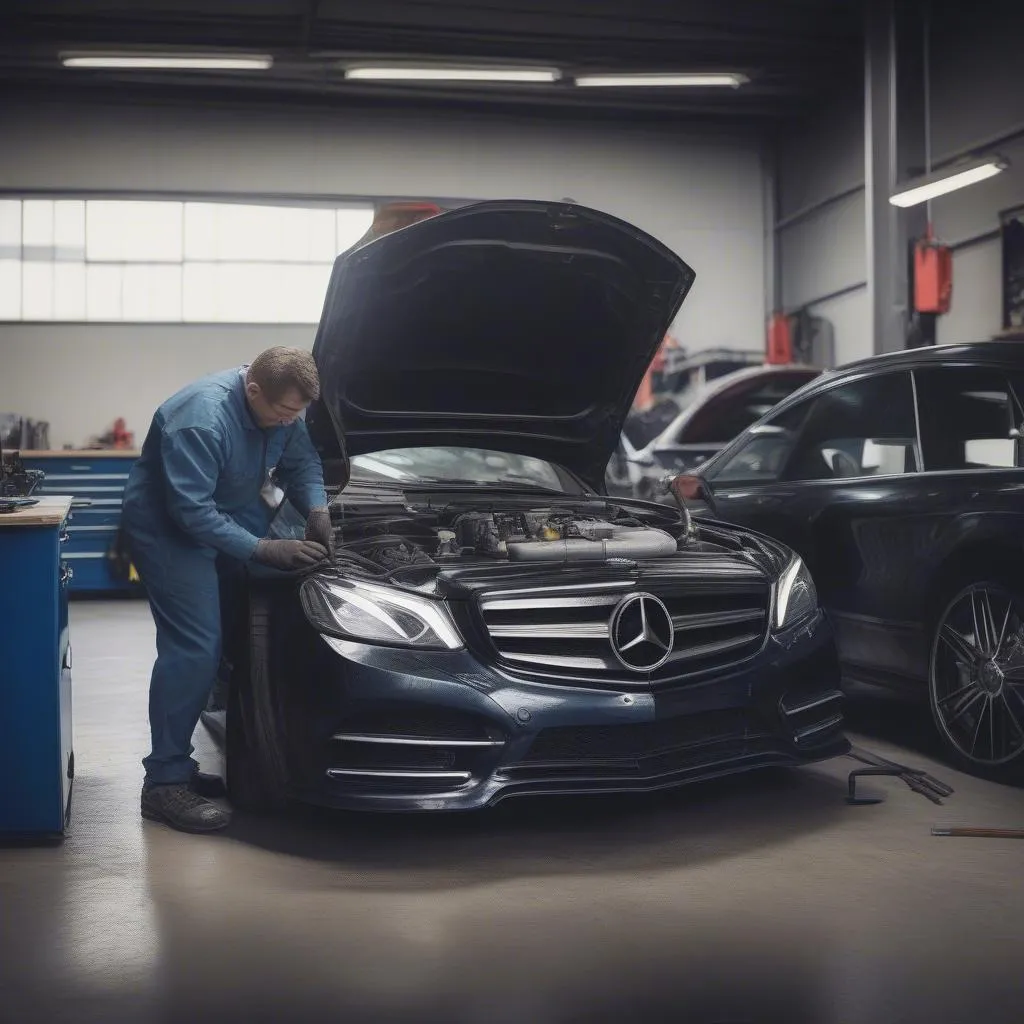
(976,682)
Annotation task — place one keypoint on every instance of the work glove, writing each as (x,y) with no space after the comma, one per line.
(290,555)
(320,530)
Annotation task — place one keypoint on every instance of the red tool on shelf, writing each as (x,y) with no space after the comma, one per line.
(121,437)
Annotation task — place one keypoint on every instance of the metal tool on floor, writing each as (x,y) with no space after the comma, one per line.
(917,780)
(979,833)
(876,760)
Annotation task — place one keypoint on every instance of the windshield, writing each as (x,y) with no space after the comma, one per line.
(460,466)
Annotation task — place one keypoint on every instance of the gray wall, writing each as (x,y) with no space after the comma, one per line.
(81,377)
(977,95)
(702,197)
(823,253)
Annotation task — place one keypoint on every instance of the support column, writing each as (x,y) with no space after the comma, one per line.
(880,158)
(893,151)
(911,157)
(770,205)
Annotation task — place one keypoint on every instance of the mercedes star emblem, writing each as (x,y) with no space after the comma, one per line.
(641,632)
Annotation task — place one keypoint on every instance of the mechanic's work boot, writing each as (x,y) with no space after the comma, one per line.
(205,784)
(176,805)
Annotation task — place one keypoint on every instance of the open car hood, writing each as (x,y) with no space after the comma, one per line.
(524,327)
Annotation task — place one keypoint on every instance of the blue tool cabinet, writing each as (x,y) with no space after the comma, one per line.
(37,762)
(100,477)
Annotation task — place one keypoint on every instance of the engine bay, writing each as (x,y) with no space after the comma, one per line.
(392,535)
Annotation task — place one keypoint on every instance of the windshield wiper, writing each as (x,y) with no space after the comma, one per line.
(505,481)
(528,481)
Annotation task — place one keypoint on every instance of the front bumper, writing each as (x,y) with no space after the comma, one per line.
(391,730)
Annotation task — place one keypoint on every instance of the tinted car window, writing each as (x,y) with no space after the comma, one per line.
(966,414)
(864,428)
(727,415)
(762,457)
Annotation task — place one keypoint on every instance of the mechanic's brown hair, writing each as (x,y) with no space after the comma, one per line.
(279,369)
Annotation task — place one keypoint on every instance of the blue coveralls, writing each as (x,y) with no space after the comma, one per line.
(192,500)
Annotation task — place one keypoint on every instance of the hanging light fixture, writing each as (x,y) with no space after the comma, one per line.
(698,80)
(957,176)
(142,61)
(934,184)
(408,73)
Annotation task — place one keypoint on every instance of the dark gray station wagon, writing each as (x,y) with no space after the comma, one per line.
(900,481)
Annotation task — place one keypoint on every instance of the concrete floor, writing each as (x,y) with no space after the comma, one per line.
(764,898)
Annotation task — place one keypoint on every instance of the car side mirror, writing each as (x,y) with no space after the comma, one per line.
(687,487)
(665,483)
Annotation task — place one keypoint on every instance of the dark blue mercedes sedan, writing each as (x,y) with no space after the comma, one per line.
(493,623)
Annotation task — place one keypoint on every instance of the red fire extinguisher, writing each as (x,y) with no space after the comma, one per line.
(933,275)
(779,348)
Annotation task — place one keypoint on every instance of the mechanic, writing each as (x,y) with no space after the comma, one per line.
(194,509)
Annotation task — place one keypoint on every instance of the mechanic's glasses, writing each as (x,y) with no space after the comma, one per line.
(287,415)
(284,412)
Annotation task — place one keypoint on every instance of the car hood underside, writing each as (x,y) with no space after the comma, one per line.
(519,326)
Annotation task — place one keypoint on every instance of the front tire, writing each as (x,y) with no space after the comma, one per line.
(976,678)
(256,771)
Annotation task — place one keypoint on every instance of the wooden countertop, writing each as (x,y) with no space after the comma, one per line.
(79,453)
(52,510)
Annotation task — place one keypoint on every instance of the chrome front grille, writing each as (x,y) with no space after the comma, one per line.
(718,617)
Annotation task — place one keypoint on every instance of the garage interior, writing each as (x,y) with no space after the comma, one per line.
(763,896)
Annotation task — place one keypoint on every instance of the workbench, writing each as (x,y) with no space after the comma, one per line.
(99,477)
(37,762)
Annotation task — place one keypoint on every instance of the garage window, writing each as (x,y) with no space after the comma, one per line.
(170,261)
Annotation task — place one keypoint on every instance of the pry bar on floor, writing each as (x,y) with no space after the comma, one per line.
(894,771)
(980,833)
(877,761)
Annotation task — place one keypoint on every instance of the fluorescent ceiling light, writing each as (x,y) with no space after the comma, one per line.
(728,79)
(440,74)
(176,62)
(949,180)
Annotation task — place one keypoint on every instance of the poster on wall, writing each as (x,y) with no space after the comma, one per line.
(1012,230)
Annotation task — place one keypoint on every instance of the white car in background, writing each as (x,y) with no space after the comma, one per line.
(709,417)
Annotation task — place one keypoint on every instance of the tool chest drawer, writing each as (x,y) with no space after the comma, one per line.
(96,515)
(90,572)
(89,538)
(96,481)
(36,750)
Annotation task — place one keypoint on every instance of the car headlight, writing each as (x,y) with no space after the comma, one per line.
(796,598)
(378,615)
